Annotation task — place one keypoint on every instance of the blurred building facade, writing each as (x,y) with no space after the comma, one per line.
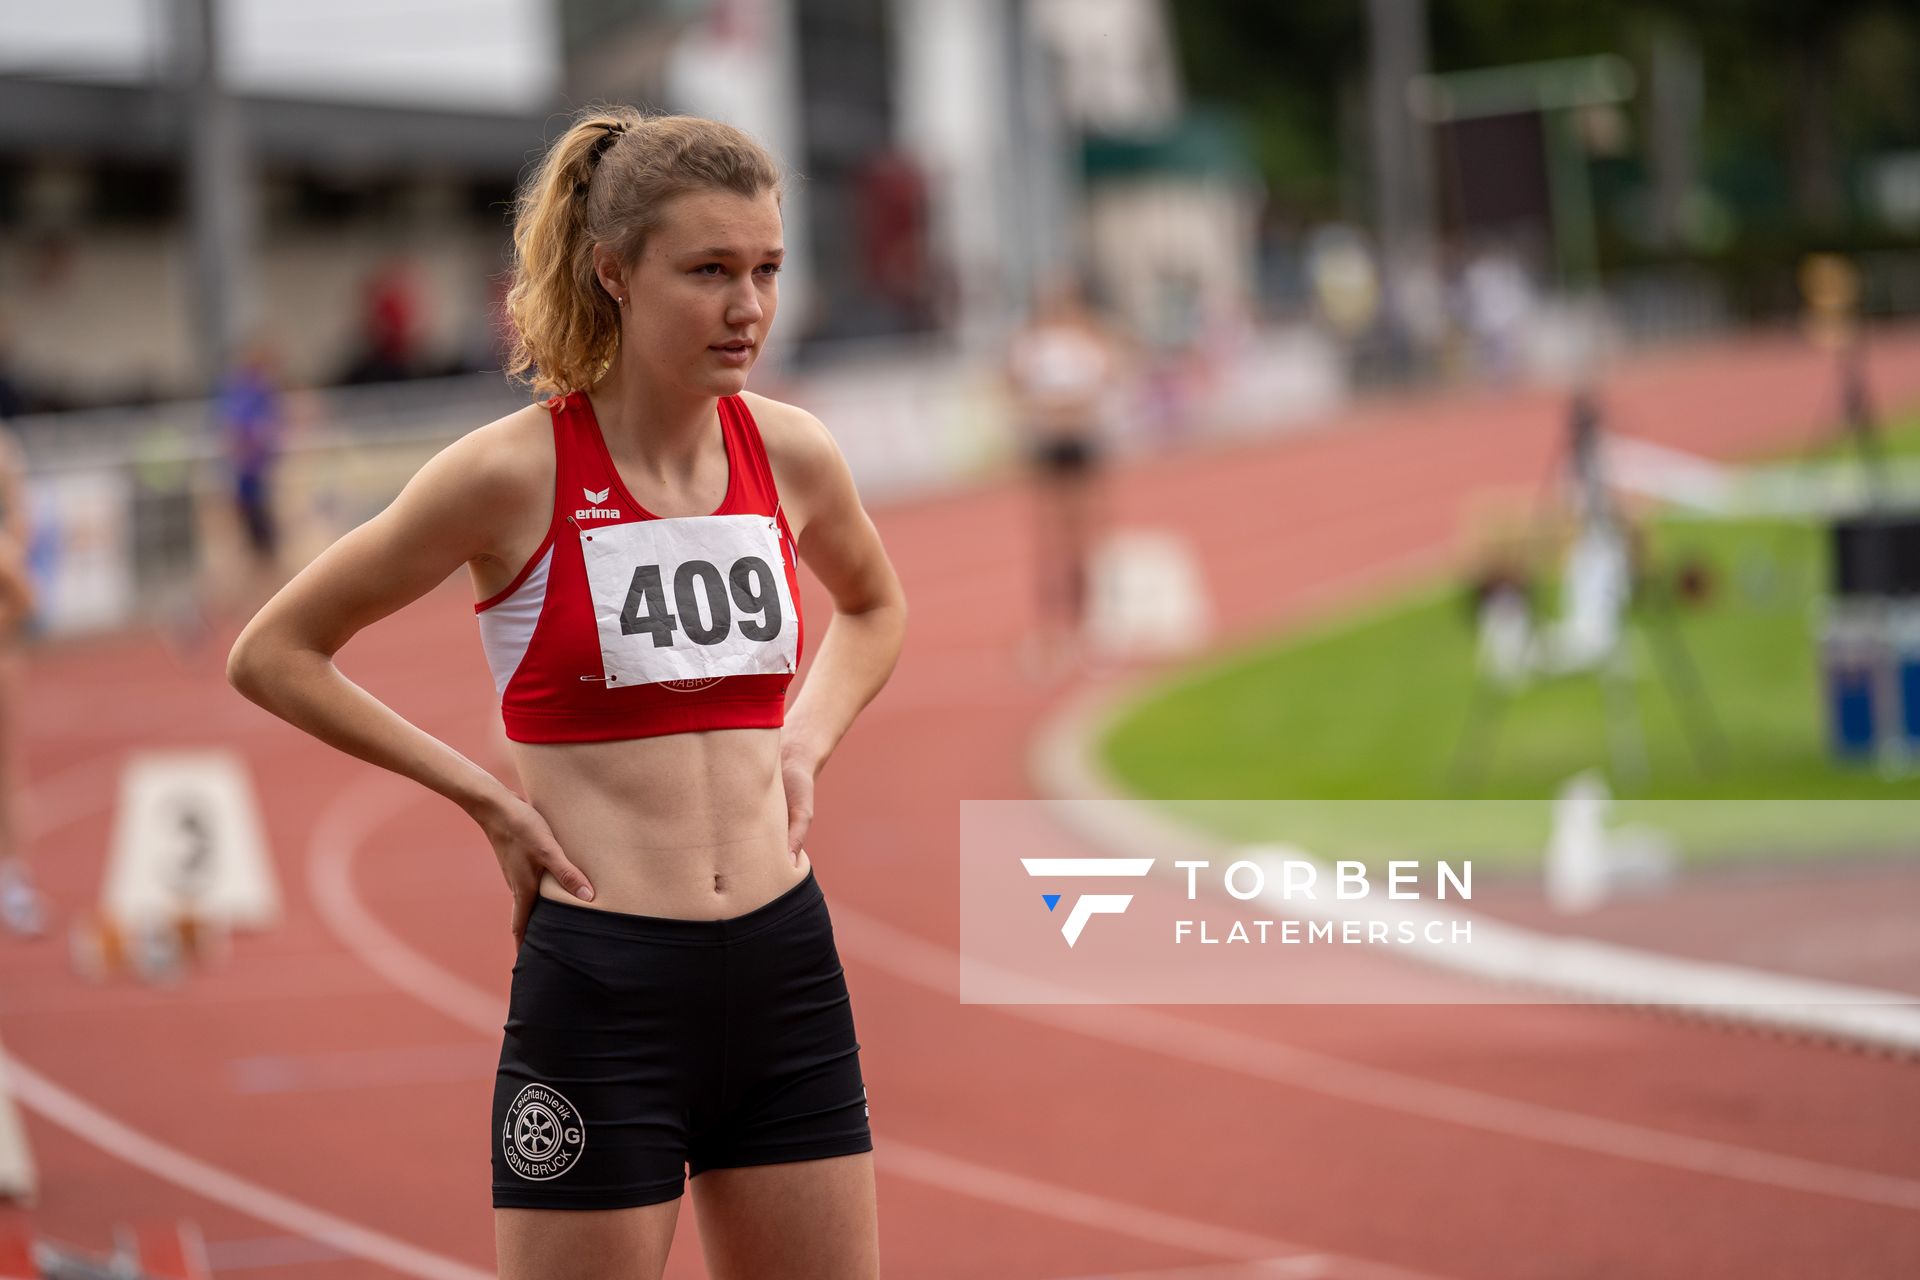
(361,229)
(947,154)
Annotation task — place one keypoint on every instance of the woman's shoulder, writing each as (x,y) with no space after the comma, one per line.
(505,466)
(807,467)
(519,444)
(797,443)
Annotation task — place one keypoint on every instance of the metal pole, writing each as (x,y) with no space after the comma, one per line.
(1402,161)
(1045,160)
(1675,126)
(218,223)
(1571,200)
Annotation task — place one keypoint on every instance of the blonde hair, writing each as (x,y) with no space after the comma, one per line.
(605,182)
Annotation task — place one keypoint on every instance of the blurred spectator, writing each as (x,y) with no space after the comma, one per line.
(1345,288)
(1174,371)
(22,907)
(252,429)
(389,349)
(891,208)
(13,401)
(1497,303)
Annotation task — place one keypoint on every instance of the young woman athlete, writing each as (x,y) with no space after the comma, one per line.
(677,999)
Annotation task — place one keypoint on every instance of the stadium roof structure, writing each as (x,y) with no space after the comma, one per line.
(1201,143)
(148,122)
(367,85)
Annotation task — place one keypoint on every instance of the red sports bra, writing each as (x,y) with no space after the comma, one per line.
(627,625)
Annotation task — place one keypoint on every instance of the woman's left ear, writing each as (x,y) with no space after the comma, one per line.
(607,272)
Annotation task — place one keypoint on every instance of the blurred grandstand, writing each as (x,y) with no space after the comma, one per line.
(182,181)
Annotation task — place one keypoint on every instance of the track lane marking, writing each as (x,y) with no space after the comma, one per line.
(84,1120)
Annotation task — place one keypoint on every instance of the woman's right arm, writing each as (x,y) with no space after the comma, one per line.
(450,513)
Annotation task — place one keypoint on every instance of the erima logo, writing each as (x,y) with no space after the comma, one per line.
(1087,905)
(596,511)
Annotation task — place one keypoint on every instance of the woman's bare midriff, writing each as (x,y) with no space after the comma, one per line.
(691,826)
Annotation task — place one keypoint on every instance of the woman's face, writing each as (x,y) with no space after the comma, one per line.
(701,297)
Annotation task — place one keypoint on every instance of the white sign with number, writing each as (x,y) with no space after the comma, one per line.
(188,841)
(690,598)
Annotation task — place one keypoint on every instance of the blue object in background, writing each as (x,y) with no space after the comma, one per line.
(1850,709)
(1910,697)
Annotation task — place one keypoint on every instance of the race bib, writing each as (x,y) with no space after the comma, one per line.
(692,598)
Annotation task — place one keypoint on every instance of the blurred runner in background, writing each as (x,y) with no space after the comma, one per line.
(1060,368)
(253,430)
(22,908)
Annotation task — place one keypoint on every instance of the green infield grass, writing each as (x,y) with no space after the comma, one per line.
(1322,726)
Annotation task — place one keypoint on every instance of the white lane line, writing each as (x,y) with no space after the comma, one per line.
(349,819)
(949,1173)
(1320,1266)
(85,1121)
(1202,1044)
(73,793)
(353,815)
(69,1111)
(264,1252)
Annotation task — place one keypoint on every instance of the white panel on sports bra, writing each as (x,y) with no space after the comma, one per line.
(506,629)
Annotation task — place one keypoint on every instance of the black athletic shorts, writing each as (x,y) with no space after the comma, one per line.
(1061,456)
(638,1048)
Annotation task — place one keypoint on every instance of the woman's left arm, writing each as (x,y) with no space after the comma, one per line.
(840,545)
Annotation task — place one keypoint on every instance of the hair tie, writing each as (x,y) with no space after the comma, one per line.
(605,140)
(612,133)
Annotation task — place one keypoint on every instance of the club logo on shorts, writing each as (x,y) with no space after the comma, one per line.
(543,1135)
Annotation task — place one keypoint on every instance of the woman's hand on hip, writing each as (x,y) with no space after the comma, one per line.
(797,777)
(525,847)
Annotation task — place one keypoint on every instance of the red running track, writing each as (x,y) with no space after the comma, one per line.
(319,1102)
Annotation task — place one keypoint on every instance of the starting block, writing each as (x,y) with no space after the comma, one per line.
(189,864)
(188,841)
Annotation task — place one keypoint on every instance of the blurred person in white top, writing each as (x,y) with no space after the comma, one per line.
(1061,367)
